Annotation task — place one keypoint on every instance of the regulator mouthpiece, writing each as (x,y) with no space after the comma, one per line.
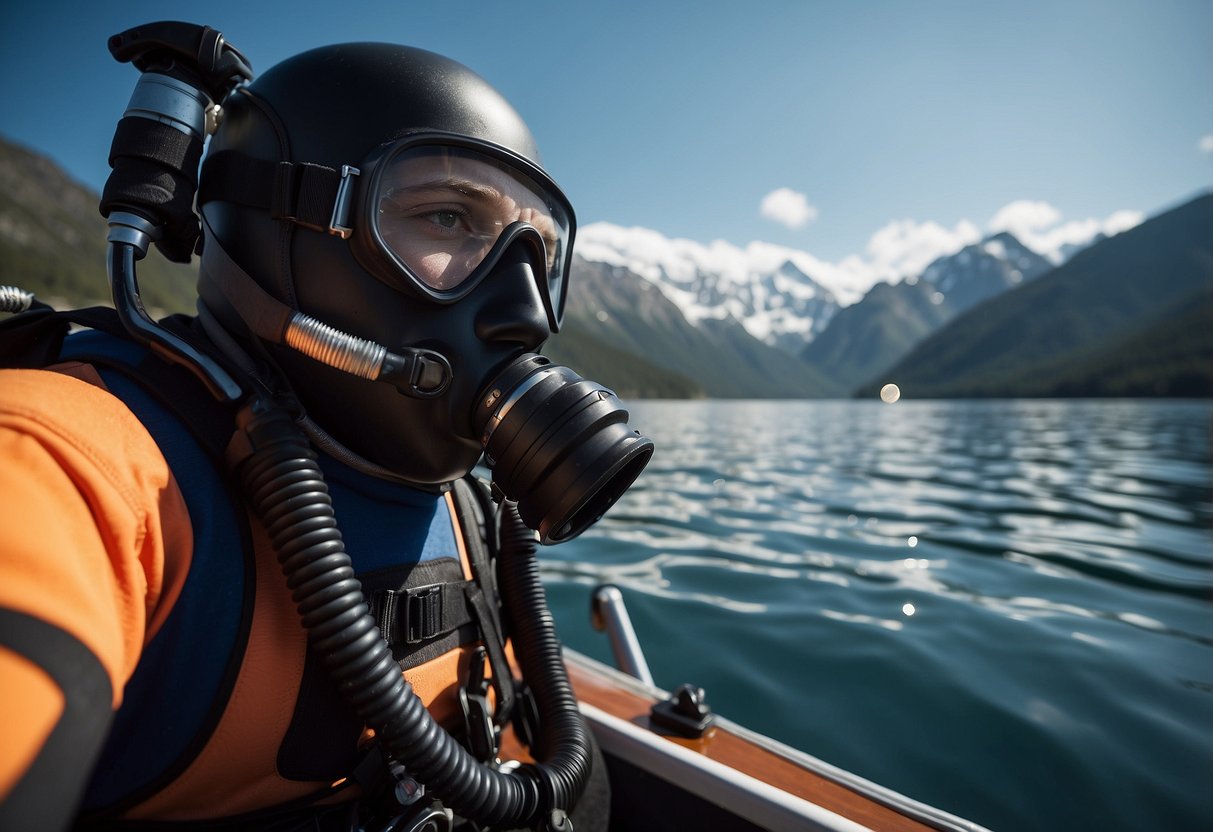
(558,445)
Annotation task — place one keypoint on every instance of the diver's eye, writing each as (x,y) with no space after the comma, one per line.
(445,219)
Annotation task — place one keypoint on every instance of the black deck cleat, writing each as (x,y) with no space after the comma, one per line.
(685,713)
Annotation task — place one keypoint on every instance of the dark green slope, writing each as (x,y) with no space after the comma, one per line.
(611,305)
(1017,343)
(1171,355)
(867,337)
(630,376)
(52,239)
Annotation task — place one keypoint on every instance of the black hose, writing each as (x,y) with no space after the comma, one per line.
(288,492)
(563,745)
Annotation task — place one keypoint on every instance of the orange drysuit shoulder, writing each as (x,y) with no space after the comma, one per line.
(96,540)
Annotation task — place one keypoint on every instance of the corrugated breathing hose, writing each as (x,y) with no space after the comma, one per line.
(289,494)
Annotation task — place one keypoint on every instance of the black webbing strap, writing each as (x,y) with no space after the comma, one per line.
(301,192)
(473,514)
(474,510)
(32,339)
(411,616)
(494,645)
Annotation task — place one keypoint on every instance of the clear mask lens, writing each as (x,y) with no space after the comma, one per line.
(440,210)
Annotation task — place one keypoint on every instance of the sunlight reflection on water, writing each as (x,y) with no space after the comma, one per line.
(887,547)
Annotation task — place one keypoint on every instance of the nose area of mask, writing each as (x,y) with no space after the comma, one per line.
(558,445)
(513,309)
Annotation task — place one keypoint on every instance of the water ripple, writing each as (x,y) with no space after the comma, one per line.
(1033,576)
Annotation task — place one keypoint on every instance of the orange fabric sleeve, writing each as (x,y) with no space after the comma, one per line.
(30,692)
(89,504)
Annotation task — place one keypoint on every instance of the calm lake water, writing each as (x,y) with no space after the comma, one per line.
(1002,608)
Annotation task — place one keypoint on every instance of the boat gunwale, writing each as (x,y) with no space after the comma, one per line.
(584,669)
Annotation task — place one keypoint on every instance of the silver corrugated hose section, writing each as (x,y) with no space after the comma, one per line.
(335,348)
(13,299)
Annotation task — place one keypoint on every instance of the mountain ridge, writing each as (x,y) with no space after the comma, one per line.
(1082,310)
(677,319)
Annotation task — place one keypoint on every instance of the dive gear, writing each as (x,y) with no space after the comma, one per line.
(337,297)
(462,311)
(185,71)
(13,299)
(288,491)
(303,120)
(431,212)
(558,445)
(456,201)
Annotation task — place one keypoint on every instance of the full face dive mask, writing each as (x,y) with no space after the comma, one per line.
(435,265)
(442,213)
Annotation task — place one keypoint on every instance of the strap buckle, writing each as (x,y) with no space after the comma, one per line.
(483,734)
(422,617)
(413,616)
(339,221)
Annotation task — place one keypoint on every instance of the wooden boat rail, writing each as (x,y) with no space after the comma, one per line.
(770,785)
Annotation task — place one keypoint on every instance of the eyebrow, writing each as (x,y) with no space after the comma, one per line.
(463,186)
(549,230)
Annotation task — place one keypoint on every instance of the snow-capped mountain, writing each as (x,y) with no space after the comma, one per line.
(775,293)
(983,270)
(869,336)
(785,297)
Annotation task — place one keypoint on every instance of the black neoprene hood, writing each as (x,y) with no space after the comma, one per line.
(413,91)
(339,106)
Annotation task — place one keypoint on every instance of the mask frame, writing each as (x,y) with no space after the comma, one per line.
(377,255)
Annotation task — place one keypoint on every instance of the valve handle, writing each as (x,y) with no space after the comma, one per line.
(196,54)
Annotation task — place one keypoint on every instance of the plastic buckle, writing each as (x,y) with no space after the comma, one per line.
(483,735)
(422,613)
(339,222)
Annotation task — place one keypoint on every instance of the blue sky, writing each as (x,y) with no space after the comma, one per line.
(874,123)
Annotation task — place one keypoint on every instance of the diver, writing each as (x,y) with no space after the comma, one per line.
(251,576)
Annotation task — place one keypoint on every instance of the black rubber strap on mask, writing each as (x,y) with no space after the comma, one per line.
(264,315)
(300,192)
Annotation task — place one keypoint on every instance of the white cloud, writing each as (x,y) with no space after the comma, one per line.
(1038,225)
(1024,216)
(788,207)
(904,248)
(1206,143)
(899,250)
